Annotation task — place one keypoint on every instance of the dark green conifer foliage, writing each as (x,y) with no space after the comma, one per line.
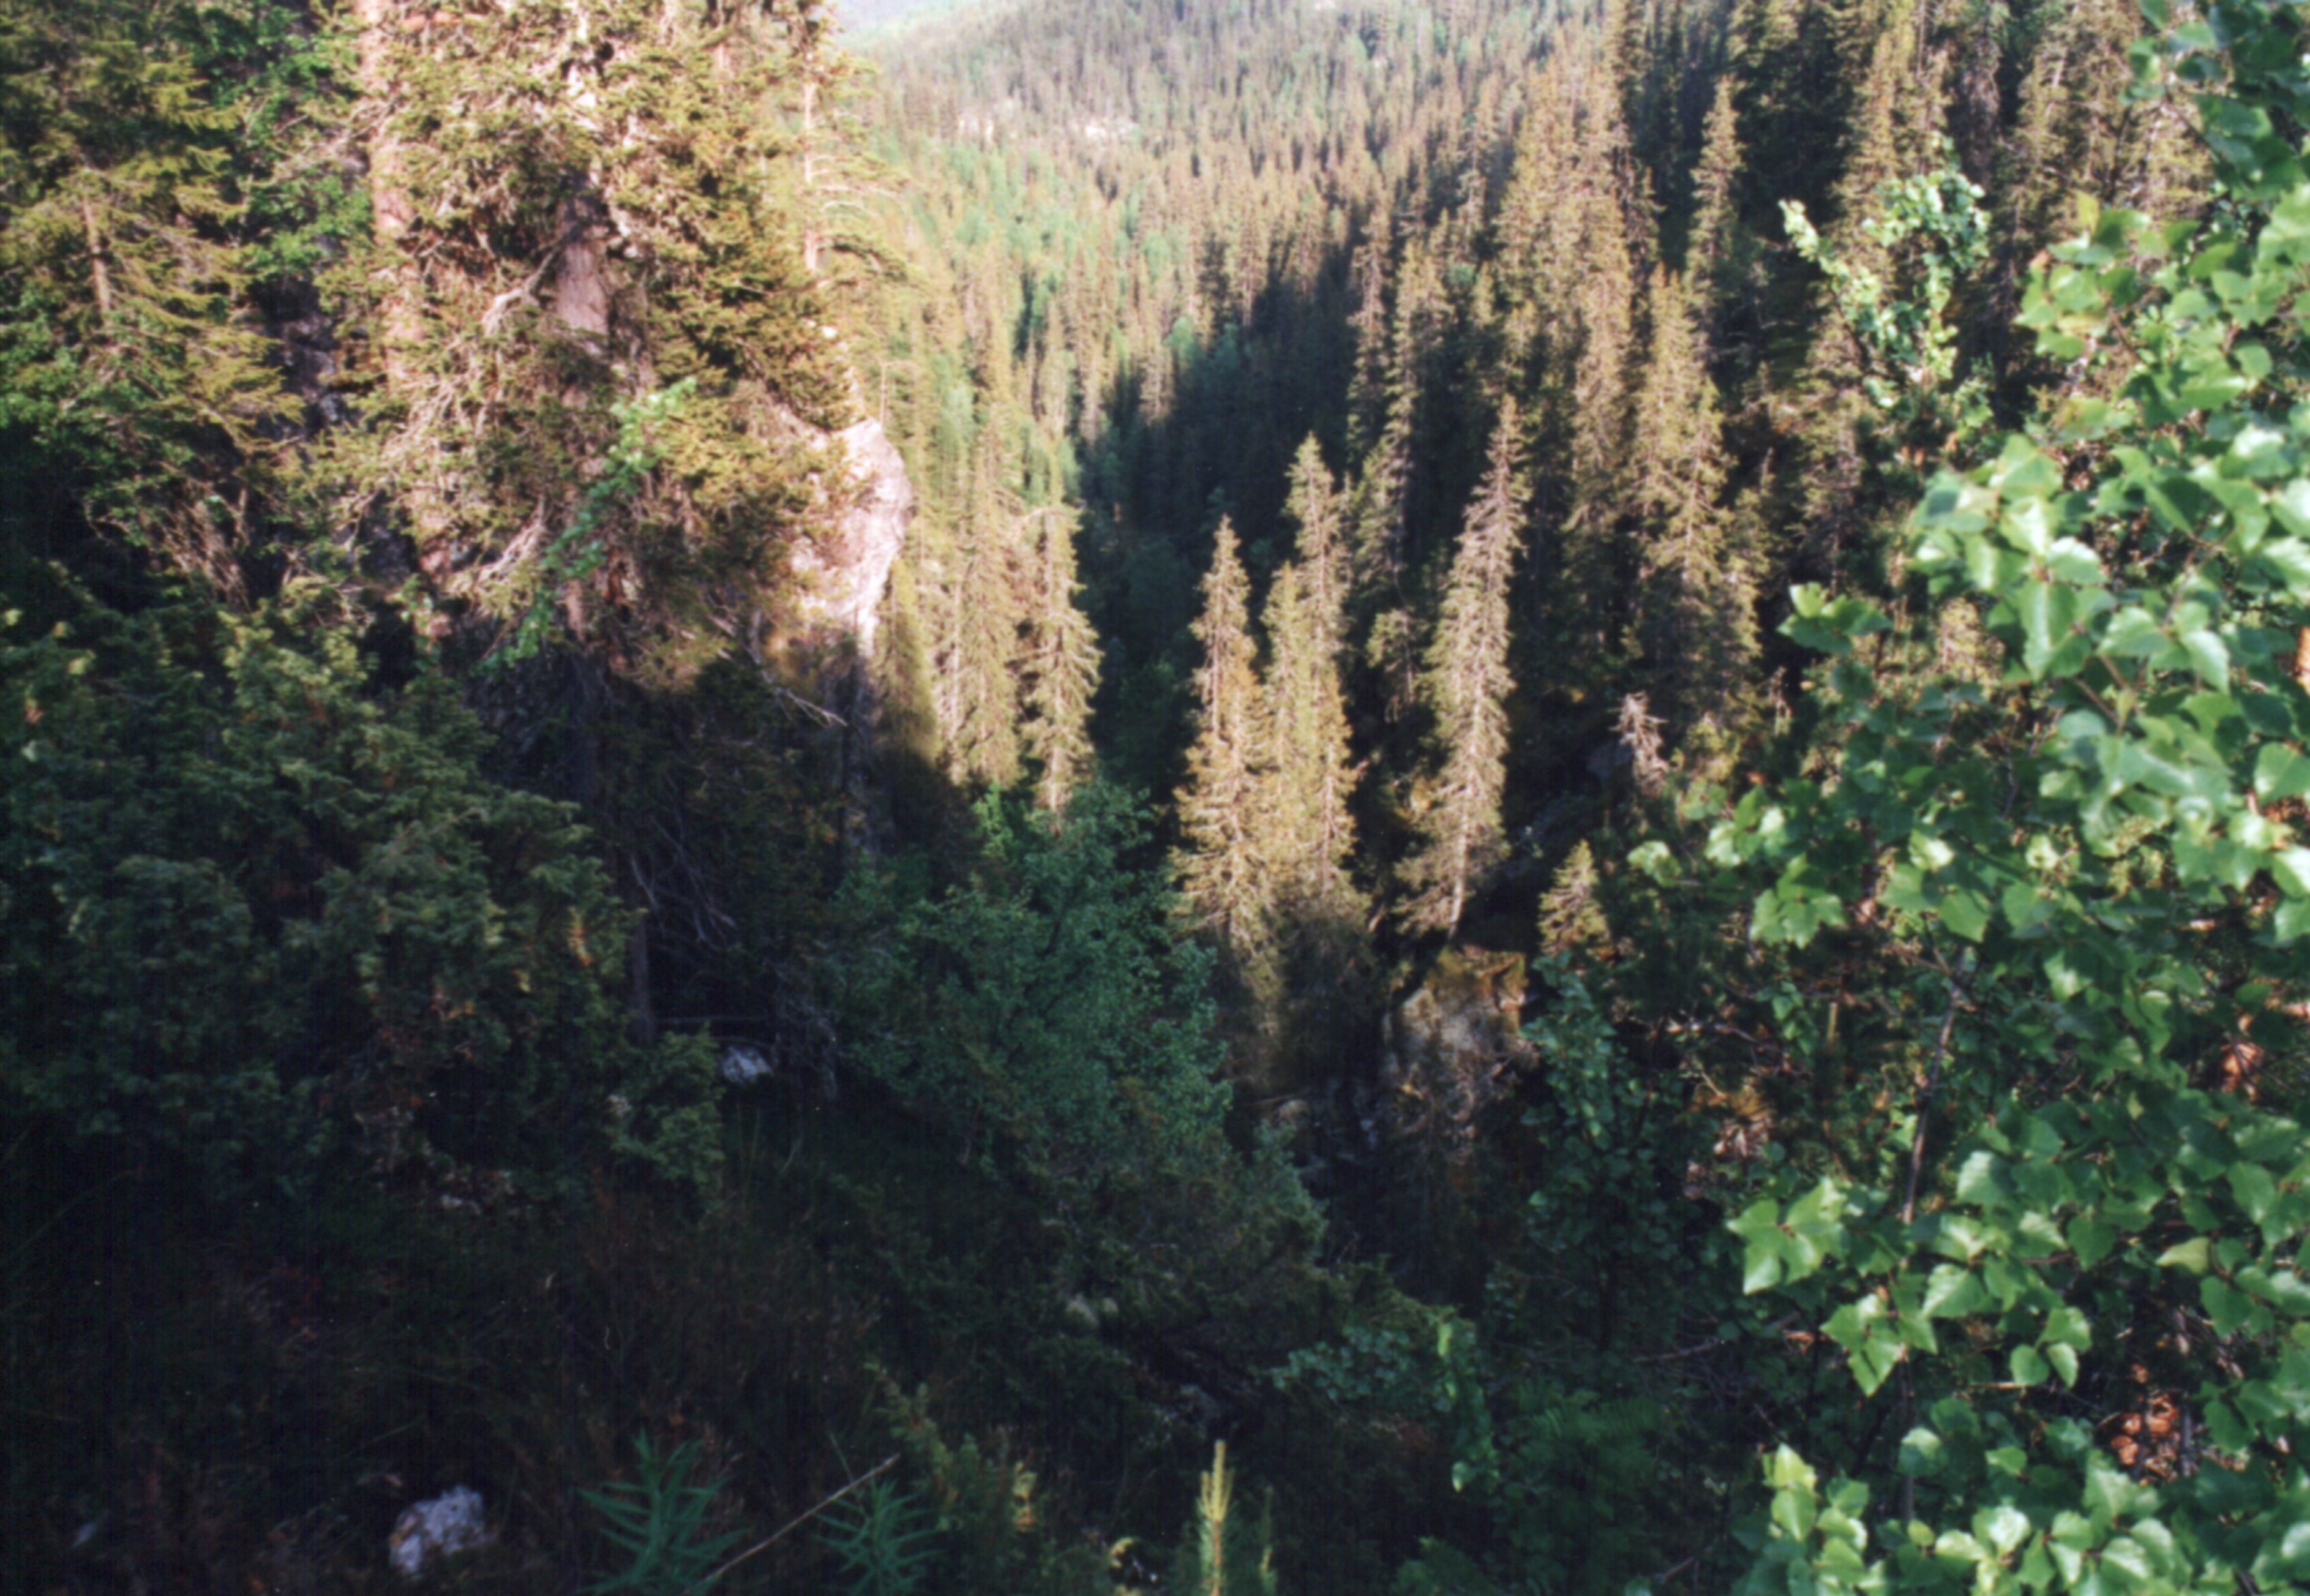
(1062,667)
(1536,230)
(1317,509)
(1384,488)
(575,209)
(1038,1011)
(131,381)
(1367,391)
(262,923)
(1721,253)
(1224,892)
(1894,118)
(984,615)
(1699,601)
(1596,372)
(1466,687)
(1306,777)
(1571,923)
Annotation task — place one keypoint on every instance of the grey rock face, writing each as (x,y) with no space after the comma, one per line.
(1452,1045)
(848,574)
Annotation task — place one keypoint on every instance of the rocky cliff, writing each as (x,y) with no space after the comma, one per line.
(848,573)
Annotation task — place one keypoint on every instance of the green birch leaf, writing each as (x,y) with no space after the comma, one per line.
(1965,912)
(2281,772)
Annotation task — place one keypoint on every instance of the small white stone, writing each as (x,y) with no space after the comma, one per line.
(435,1528)
(742,1066)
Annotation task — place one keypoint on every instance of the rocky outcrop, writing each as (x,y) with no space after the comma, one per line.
(848,574)
(1452,1046)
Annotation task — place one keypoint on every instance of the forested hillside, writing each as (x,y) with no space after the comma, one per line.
(1155,795)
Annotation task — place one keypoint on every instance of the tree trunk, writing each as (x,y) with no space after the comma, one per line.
(401,325)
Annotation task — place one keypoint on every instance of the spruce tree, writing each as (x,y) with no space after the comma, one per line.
(1466,687)
(1699,622)
(1719,251)
(1591,601)
(1319,510)
(985,614)
(1306,834)
(1223,890)
(1384,489)
(1535,230)
(1062,668)
(1571,922)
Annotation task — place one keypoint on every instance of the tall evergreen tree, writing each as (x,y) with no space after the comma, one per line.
(1222,887)
(983,616)
(1384,489)
(1700,631)
(1316,507)
(1536,230)
(1591,601)
(1307,834)
(1466,687)
(1720,253)
(1062,667)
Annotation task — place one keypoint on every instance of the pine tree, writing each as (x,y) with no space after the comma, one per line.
(1384,488)
(1062,668)
(1592,600)
(1467,686)
(1536,227)
(1720,254)
(1223,890)
(1319,510)
(1306,834)
(1700,631)
(1571,923)
(985,614)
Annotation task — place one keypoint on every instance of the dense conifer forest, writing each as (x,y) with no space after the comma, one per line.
(1336,797)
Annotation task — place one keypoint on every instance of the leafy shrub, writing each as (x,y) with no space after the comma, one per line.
(2094,880)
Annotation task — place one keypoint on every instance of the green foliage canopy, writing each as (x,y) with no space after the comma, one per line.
(2097,862)
(249,909)
(1043,1005)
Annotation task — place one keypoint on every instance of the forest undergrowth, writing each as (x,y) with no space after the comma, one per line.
(1569,857)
